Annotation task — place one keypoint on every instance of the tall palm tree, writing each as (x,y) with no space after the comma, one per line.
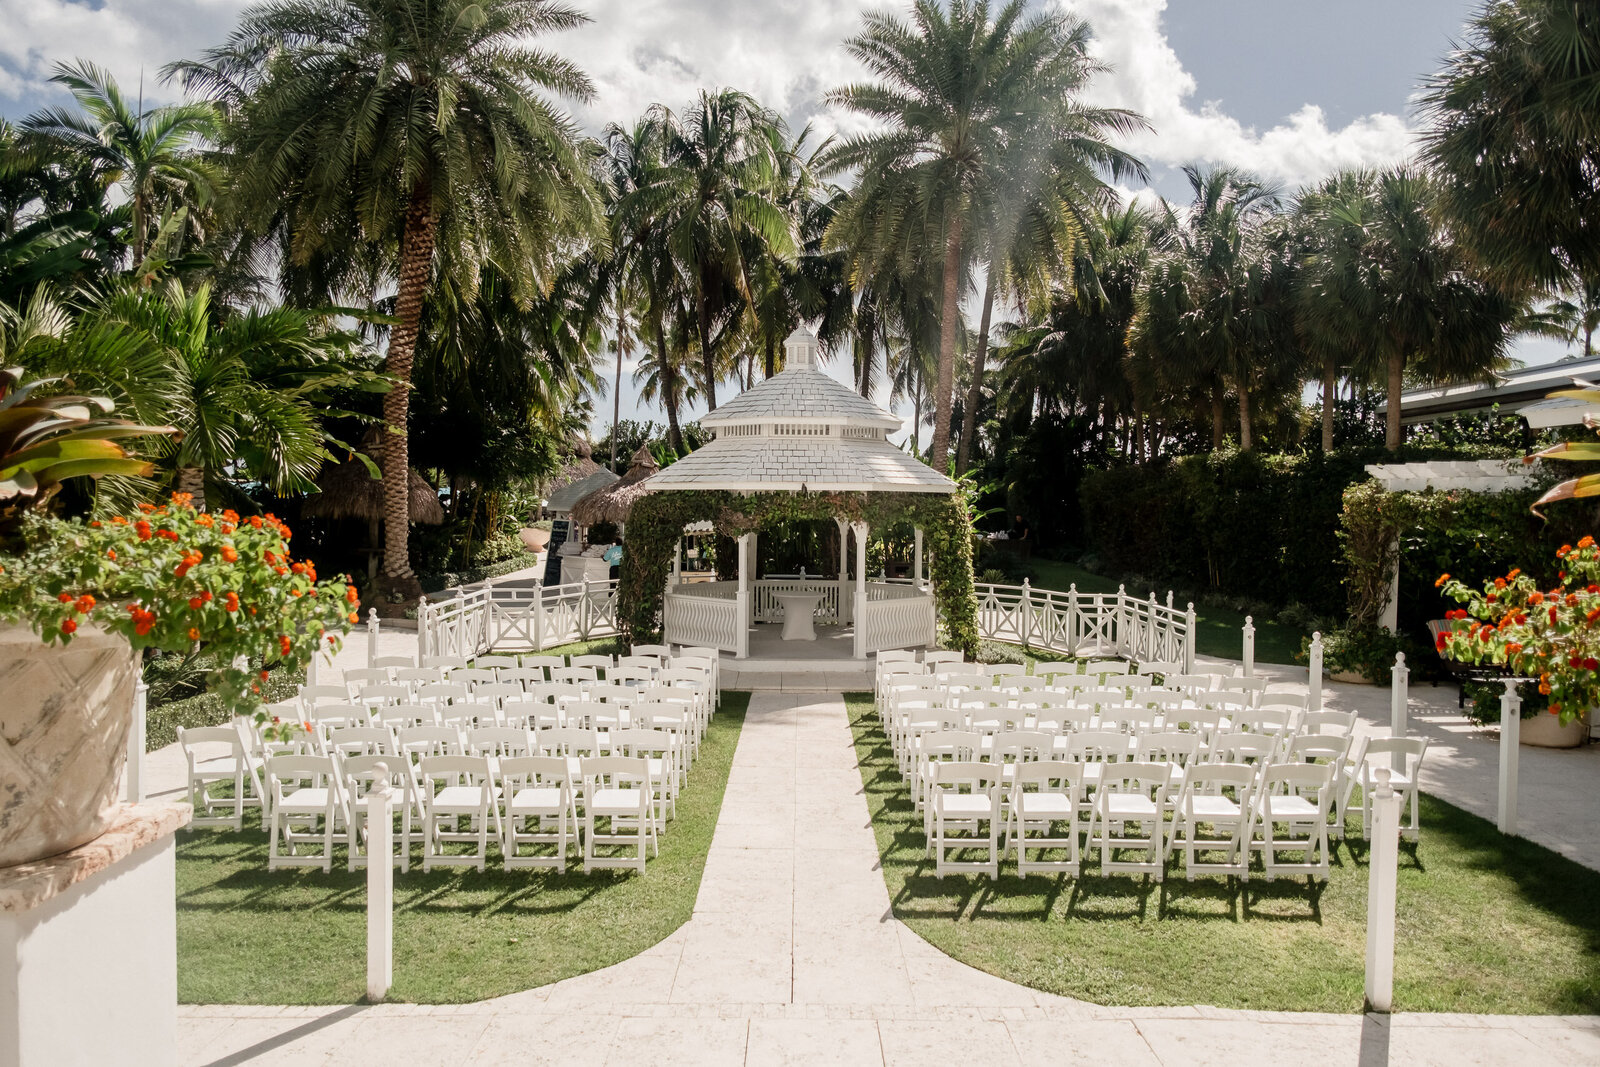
(438,141)
(1513,135)
(956,91)
(717,198)
(154,156)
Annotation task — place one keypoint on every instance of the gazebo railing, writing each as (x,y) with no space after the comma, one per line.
(707,613)
(769,609)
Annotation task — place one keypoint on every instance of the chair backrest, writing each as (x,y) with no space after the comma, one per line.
(473,676)
(896,655)
(1064,677)
(497,692)
(499,741)
(1213,778)
(690,662)
(1104,668)
(651,650)
(1300,779)
(517,771)
(361,773)
(394,662)
(399,716)
(1063,720)
(190,739)
(496,661)
(423,741)
(359,741)
(469,714)
(639,741)
(543,664)
(1330,747)
(998,672)
(1237,746)
(962,677)
(327,716)
(312,695)
(601,664)
(418,675)
(363,676)
(1263,720)
(1099,698)
(966,776)
(1129,718)
(386,693)
(440,693)
(574,675)
(1049,776)
(1097,746)
(1133,776)
(444,663)
(1021,746)
(315,772)
(1166,746)
(616,771)
(942,657)
(456,770)
(567,741)
(1412,747)
(951,745)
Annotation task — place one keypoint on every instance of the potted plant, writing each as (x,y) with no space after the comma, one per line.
(80,600)
(1550,636)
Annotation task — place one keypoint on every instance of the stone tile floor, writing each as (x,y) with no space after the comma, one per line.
(793,957)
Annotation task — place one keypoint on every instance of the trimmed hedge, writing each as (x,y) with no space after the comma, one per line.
(209,709)
(1263,527)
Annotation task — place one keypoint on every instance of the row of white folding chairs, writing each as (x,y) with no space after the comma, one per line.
(590,802)
(1217,815)
(1251,691)
(548,661)
(426,684)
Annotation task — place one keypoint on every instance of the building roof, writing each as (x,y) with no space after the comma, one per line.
(1512,391)
(761,464)
(801,392)
(612,502)
(1476,475)
(562,500)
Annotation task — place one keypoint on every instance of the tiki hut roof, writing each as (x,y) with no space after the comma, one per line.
(613,502)
(563,500)
(349,492)
(579,467)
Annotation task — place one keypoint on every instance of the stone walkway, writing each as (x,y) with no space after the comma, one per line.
(792,957)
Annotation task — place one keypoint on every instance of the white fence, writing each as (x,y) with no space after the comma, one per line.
(706,613)
(831,610)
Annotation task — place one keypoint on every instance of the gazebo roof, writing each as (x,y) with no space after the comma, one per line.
(801,429)
(612,502)
(562,500)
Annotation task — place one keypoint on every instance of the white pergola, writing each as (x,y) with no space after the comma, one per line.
(1477,476)
(801,431)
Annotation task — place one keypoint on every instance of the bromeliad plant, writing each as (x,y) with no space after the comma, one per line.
(175,579)
(1552,635)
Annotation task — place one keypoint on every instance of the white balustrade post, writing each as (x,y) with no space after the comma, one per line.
(1383,864)
(372,637)
(380,887)
(1151,629)
(1025,614)
(424,628)
(1122,617)
(1249,646)
(1510,737)
(916,557)
(742,614)
(133,777)
(1074,620)
(583,610)
(537,612)
(860,529)
(1398,694)
(1314,703)
(1188,638)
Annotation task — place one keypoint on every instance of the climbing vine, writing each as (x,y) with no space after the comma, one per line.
(657,521)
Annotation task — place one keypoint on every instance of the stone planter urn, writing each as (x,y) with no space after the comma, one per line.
(535,539)
(64,722)
(1546,731)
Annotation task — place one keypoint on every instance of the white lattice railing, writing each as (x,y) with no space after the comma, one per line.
(708,613)
(770,609)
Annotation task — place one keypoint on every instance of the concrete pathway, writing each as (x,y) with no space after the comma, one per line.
(792,957)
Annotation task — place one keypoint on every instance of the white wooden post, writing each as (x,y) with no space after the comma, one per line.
(537,620)
(1249,646)
(1510,737)
(844,571)
(1074,620)
(1398,695)
(1188,638)
(1315,701)
(860,529)
(424,631)
(742,613)
(916,557)
(1151,628)
(372,637)
(1025,612)
(380,887)
(133,778)
(677,561)
(1122,617)
(583,610)
(1383,863)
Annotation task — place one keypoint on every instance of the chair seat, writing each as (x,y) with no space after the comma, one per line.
(1290,807)
(1127,806)
(1203,806)
(613,801)
(306,801)
(458,800)
(536,800)
(965,805)
(1036,805)
(219,766)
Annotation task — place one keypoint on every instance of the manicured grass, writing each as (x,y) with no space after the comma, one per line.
(1218,631)
(250,936)
(1486,923)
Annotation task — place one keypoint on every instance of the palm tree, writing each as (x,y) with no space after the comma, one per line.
(417,125)
(154,156)
(957,91)
(1514,120)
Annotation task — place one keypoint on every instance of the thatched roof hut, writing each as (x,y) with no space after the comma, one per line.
(613,502)
(349,492)
(576,469)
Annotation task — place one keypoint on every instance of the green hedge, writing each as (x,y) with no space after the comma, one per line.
(1239,524)
(209,709)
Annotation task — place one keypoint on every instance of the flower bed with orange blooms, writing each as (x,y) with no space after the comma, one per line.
(1552,635)
(174,578)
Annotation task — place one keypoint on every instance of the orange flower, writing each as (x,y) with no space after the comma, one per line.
(119,520)
(296,593)
(255,521)
(194,634)
(1563,551)
(194,603)
(202,519)
(206,596)
(65,598)
(354,618)
(231,602)
(1499,583)
(351,595)
(111,554)
(285,646)
(85,604)
(1513,648)
(230,554)
(1536,598)
(1441,580)
(229,515)
(142,528)
(1512,573)
(68,626)
(1586,542)
(298,568)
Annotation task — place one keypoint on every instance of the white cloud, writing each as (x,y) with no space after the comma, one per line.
(1149,78)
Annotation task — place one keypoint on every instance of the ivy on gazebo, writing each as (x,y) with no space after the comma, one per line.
(656,522)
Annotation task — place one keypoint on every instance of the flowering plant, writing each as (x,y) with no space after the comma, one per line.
(1549,634)
(174,578)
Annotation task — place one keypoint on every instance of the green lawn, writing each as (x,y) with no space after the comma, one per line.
(1486,923)
(1218,631)
(250,936)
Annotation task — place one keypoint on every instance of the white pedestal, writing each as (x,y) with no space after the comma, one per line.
(89,952)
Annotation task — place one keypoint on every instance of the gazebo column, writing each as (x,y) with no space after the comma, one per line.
(860,530)
(916,558)
(844,571)
(742,638)
(677,562)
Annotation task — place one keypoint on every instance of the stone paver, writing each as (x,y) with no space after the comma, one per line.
(792,957)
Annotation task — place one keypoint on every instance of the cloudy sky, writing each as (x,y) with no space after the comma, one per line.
(1290,89)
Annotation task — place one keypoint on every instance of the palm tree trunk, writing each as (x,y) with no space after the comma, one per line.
(702,316)
(949,319)
(416,269)
(771,365)
(192,480)
(1330,382)
(916,411)
(616,395)
(1217,431)
(1138,428)
(669,391)
(969,417)
(1397,373)
(1246,437)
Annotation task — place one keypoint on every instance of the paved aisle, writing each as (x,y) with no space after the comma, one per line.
(792,957)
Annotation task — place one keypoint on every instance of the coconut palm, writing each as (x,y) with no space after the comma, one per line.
(1514,138)
(956,91)
(154,156)
(437,141)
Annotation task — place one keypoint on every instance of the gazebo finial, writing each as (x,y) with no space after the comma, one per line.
(800,349)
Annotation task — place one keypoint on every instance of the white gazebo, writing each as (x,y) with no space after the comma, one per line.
(802,431)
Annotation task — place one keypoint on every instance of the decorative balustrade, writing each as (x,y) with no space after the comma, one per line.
(706,614)
(517,617)
(769,609)
(894,616)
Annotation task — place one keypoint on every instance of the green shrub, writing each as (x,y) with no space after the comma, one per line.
(209,709)
(1483,701)
(1368,651)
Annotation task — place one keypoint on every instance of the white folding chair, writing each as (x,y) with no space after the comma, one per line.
(1128,795)
(1295,797)
(493,662)
(1402,756)
(213,755)
(1045,816)
(305,813)
(617,790)
(361,776)
(1218,796)
(539,810)
(964,805)
(455,788)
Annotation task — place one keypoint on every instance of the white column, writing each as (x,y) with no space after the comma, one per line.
(1315,657)
(860,529)
(845,600)
(1510,738)
(1389,618)
(1398,694)
(1249,646)
(133,777)
(372,637)
(742,615)
(1382,876)
(380,888)
(677,561)
(916,557)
